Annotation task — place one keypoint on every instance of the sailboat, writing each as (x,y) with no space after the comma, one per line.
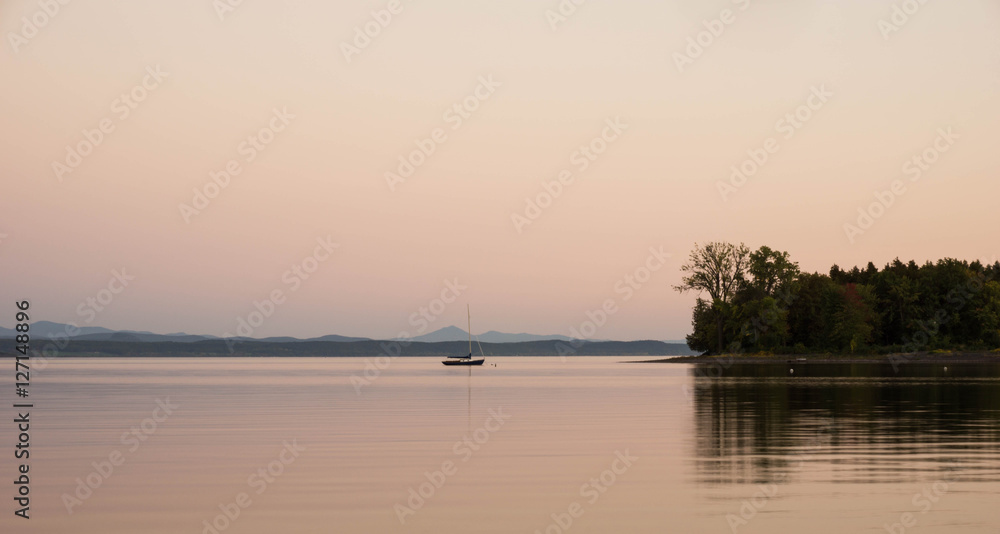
(465,360)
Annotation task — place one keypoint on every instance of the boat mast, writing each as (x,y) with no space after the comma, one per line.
(469,313)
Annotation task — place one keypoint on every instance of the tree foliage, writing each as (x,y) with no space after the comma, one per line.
(761,301)
(718,269)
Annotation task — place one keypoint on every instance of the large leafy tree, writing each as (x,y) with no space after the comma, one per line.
(898,298)
(853,318)
(703,334)
(761,306)
(987,313)
(762,324)
(808,315)
(771,271)
(718,269)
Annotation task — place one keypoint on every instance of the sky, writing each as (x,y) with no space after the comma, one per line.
(312,104)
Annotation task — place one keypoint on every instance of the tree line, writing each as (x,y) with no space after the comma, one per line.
(760,301)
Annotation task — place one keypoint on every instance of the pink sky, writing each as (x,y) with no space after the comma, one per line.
(656,184)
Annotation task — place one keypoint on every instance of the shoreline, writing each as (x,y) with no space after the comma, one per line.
(897,358)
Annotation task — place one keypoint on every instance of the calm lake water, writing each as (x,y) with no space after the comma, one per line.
(534,444)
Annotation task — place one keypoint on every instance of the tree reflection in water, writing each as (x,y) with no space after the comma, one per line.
(764,423)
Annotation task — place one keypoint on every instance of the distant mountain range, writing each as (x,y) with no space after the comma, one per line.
(219,348)
(48,330)
(454,333)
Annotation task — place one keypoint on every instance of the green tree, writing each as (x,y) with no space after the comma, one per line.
(808,320)
(703,335)
(771,271)
(762,323)
(718,269)
(853,319)
(761,301)
(759,311)
(898,300)
(986,314)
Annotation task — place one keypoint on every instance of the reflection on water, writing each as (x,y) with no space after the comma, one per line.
(863,423)
(845,448)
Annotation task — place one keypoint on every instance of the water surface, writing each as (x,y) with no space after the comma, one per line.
(589,445)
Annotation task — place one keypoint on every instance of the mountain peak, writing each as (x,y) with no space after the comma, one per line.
(454,333)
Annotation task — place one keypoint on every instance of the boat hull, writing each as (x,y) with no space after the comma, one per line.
(463,362)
